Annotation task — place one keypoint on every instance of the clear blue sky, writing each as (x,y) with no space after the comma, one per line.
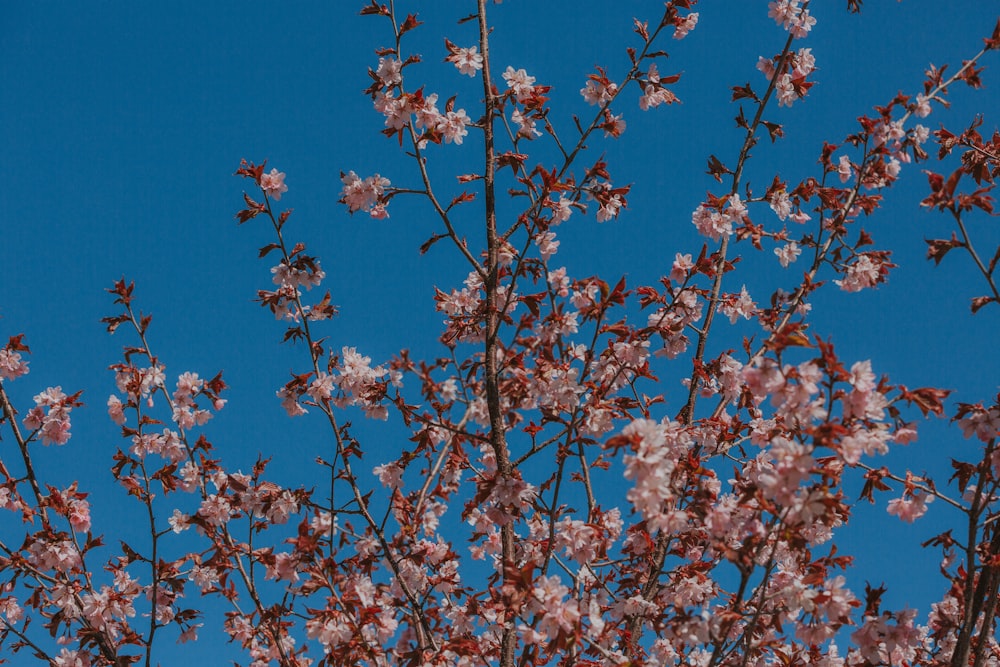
(122,123)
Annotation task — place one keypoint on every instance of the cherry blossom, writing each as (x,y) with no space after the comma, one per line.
(363,195)
(467,60)
(519,82)
(11,365)
(273,184)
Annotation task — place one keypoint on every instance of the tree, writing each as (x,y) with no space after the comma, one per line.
(554,501)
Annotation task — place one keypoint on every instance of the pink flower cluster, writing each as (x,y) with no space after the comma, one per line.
(11,364)
(792,17)
(50,416)
(365,195)
(717,221)
(864,272)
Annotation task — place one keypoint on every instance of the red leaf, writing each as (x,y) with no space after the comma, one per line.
(938,248)
(981,301)
(410,23)
(461,199)
(927,399)
(740,92)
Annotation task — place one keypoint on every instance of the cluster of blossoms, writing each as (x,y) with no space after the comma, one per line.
(365,195)
(297,270)
(12,366)
(735,306)
(653,91)
(464,307)
(449,127)
(359,384)
(306,275)
(716,221)
(981,422)
(399,109)
(520,83)
(138,384)
(50,416)
(610,200)
(791,16)
(866,271)
(785,207)
(791,83)
(683,25)
(599,90)
(672,323)
(187,414)
(656,448)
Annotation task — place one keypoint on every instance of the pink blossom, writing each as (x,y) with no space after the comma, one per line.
(525,125)
(711,223)
(802,24)
(785,90)
(805,62)
(390,475)
(766,67)
(783,11)
(981,422)
(922,108)
(396,111)
(282,507)
(362,195)
(273,184)
(72,658)
(215,510)
(788,253)
(781,204)
(905,434)
(844,169)
(79,514)
(609,209)
(653,96)
(286,276)
(179,521)
(912,508)
(452,126)
(519,82)
(681,267)
(562,209)
(11,365)
(10,610)
(614,126)
(791,16)
(740,305)
(863,272)
(427,114)
(547,244)
(389,71)
(53,425)
(190,634)
(596,92)
(116,410)
(682,26)
(467,60)
(321,388)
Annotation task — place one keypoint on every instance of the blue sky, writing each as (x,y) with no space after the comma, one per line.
(123,122)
